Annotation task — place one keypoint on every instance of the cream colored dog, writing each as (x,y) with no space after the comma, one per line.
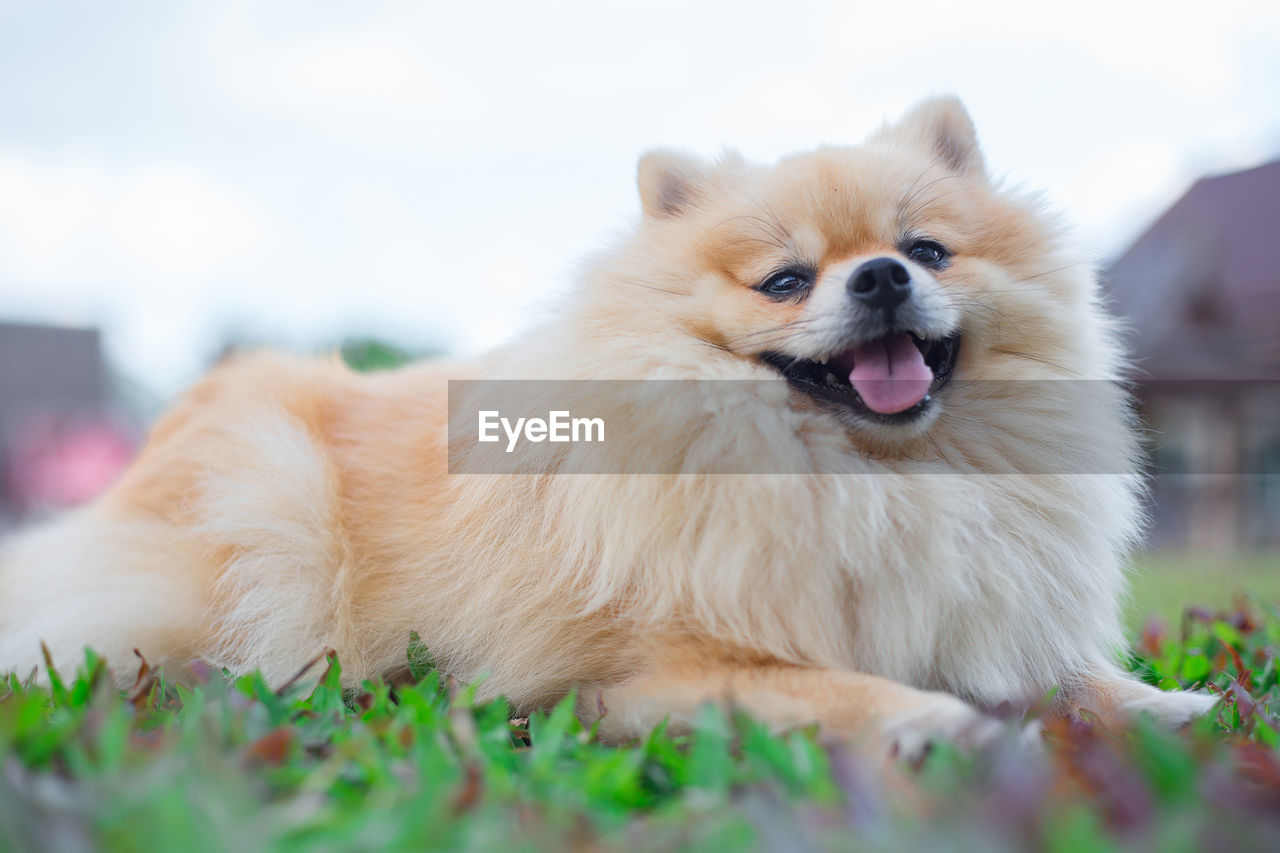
(940,522)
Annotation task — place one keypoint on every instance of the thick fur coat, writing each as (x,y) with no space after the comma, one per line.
(904,575)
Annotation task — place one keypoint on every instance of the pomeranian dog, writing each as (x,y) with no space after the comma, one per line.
(915,509)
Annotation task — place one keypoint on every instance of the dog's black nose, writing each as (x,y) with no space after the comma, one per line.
(881,283)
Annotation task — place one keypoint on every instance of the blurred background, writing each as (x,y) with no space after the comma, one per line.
(397,179)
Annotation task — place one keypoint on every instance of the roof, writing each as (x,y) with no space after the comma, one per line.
(1201,287)
(50,368)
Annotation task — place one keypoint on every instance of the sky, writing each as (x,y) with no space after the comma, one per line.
(181,174)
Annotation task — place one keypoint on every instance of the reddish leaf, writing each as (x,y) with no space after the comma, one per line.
(469,794)
(272,747)
(601,710)
(297,676)
(143,685)
(1153,632)
(1244,702)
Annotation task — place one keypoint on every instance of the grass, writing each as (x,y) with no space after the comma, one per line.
(228,763)
(1163,583)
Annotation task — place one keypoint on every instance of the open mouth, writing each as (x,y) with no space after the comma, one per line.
(889,380)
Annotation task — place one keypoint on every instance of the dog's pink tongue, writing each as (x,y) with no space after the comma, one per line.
(890,374)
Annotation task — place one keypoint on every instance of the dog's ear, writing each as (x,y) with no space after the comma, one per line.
(942,127)
(670,181)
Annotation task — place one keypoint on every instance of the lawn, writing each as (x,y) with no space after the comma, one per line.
(232,764)
(1162,584)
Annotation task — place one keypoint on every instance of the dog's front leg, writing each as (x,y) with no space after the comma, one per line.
(1117,698)
(881,715)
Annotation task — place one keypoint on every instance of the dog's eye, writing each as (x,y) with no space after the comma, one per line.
(929,253)
(787,283)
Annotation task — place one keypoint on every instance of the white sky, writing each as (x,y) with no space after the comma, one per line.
(431,171)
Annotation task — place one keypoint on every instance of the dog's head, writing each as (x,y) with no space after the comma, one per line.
(872,276)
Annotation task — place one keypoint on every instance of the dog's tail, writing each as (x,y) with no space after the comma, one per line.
(87,580)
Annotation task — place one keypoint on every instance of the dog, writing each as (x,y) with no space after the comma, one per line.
(914,507)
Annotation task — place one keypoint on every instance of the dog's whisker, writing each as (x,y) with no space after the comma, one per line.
(902,205)
(654,288)
(906,212)
(1038,359)
(1055,271)
(779,332)
(775,235)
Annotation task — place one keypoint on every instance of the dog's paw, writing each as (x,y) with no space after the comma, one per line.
(911,735)
(1171,709)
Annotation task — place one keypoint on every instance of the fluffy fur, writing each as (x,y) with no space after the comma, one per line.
(284,505)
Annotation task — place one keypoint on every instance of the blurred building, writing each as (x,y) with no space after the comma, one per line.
(61,438)
(1201,292)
